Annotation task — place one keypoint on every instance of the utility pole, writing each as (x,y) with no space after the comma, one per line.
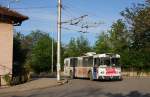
(58,39)
(52,65)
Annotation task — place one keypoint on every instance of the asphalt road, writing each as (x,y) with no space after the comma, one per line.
(130,87)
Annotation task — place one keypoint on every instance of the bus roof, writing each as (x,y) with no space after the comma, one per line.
(107,55)
(70,58)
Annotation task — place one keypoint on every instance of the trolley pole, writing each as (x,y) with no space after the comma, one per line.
(58,39)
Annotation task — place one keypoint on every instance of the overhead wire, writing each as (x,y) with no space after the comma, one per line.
(85,25)
(68,10)
(24,8)
(80,11)
(66,28)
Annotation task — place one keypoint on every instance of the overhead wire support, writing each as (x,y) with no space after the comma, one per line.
(74,21)
(84,24)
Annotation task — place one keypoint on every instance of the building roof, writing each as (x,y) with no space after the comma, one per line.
(11,16)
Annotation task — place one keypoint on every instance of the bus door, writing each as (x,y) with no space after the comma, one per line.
(73,65)
(95,67)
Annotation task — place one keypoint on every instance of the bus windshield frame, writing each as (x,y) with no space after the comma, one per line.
(108,61)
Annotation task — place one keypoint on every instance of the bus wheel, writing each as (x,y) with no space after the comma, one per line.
(71,75)
(90,76)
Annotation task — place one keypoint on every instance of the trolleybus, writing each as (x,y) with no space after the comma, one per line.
(94,66)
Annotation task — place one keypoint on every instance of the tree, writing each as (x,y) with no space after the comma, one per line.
(138,20)
(83,45)
(77,47)
(102,44)
(19,57)
(31,39)
(34,44)
(120,42)
(18,51)
(118,36)
(41,55)
(115,40)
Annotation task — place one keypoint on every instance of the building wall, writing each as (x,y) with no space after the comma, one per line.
(6,49)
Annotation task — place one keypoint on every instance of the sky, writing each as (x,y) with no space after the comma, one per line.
(43,16)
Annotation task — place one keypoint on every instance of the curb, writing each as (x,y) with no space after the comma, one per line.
(63,82)
(59,83)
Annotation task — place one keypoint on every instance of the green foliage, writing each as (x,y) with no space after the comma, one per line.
(138,18)
(7,79)
(77,47)
(116,40)
(31,53)
(102,44)
(118,36)
(41,55)
(129,38)
(19,55)
(19,59)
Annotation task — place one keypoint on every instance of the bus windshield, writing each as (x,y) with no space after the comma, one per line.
(111,61)
(115,61)
(107,61)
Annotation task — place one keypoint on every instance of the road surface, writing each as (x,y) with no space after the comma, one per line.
(131,87)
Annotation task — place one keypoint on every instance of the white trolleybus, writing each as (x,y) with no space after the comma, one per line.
(94,66)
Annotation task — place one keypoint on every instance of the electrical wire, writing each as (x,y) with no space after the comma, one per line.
(42,7)
(74,30)
(73,8)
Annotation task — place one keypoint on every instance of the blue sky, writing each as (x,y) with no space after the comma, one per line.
(45,17)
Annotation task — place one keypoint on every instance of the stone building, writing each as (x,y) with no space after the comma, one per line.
(8,19)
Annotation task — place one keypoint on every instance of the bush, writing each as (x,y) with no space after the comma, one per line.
(7,79)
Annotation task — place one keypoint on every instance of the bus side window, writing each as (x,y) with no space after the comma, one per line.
(85,62)
(94,61)
(90,61)
(79,63)
(73,62)
(101,62)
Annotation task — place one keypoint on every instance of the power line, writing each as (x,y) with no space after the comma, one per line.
(83,23)
(75,21)
(73,8)
(42,7)
(66,28)
(67,11)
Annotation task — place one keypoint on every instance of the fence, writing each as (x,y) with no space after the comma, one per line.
(134,72)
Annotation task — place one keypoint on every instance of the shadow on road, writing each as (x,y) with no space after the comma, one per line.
(91,93)
(131,94)
(82,89)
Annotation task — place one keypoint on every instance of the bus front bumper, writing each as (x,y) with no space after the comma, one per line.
(110,77)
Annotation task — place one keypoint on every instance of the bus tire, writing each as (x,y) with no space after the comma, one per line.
(90,76)
(71,75)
